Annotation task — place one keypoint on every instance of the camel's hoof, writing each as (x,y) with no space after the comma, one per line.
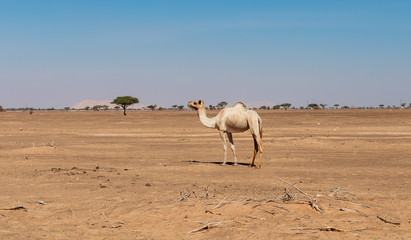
(250,165)
(223,164)
(235,164)
(258,167)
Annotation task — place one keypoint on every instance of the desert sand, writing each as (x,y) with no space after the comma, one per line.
(157,175)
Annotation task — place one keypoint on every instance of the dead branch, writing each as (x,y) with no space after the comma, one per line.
(325,228)
(254,217)
(311,202)
(257,205)
(281,207)
(386,221)
(183,196)
(209,225)
(360,204)
(15,208)
(349,209)
(360,229)
(219,204)
(296,188)
(272,213)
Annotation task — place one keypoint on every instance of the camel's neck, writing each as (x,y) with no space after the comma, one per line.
(207,122)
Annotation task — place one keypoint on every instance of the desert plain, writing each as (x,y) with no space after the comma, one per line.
(326,174)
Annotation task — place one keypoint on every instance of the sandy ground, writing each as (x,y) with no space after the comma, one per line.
(157,175)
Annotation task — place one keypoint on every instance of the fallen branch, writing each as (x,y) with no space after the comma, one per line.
(288,210)
(292,185)
(349,209)
(219,204)
(386,221)
(311,202)
(15,208)
(254,217)
(325,228)
(272,213)
(209,225)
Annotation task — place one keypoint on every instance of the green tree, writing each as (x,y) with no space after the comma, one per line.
(221,104)
(323,105)
(381,105)
(117,108)
(277,106)
(180,107)
(87,108)
(67,108)
(263,107)
(336,106)
(125,102)
(1,109)
(96,107)
(174,106)
(152,107)
(286,105)
(313,106)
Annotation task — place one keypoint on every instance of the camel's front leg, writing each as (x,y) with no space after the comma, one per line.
(222,135)
(230,138)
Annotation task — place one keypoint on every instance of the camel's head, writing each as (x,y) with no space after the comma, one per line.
(196,104)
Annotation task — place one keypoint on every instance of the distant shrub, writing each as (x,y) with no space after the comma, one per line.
(1,109)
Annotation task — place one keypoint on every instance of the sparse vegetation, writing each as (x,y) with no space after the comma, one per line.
(323,106)
(152,107)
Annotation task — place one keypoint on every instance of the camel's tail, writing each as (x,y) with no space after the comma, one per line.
(260,128)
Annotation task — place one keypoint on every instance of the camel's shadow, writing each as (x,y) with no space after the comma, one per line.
(216,163)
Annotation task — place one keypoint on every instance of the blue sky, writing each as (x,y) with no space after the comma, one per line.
(58,53)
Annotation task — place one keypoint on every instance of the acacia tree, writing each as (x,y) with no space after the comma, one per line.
(323,105)
(125,102)
(286,105)
(152,107)
(221,105)
(313,106)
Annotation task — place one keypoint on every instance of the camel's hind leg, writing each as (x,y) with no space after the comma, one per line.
(255,152)
(260,149)
(256,130)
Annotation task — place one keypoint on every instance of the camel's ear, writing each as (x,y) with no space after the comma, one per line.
(200,102)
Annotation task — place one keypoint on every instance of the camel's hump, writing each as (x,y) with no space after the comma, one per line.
(240,104)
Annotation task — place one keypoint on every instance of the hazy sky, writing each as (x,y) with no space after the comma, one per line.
(58,53)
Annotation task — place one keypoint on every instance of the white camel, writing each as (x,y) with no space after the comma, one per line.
(233,120)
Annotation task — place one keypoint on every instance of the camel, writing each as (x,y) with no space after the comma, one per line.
(233,120)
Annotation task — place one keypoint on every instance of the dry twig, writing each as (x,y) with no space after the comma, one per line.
(386,221)
(325,228)
(349,209)
(254,217)
(219,204)
(209,225)
(281,207)
(272,213)
(15,208)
